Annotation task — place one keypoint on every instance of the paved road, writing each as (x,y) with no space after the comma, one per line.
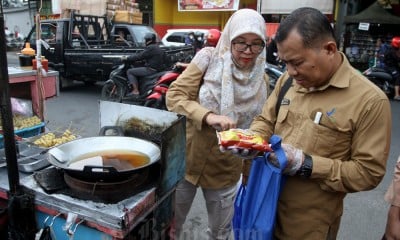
(364,213)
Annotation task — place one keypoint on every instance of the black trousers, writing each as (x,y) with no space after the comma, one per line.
(135,73)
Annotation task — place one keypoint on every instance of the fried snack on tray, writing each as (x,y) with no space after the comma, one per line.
(51,139)
(241,138)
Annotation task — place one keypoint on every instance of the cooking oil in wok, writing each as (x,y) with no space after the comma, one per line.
(121,160)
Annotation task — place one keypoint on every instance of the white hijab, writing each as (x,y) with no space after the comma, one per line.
(226,89)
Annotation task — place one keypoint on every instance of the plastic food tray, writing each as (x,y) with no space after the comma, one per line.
(25,132)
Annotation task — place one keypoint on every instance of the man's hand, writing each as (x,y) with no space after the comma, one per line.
(294,156)
(240,152)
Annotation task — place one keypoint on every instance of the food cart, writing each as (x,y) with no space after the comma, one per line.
(24,84)
(120,210)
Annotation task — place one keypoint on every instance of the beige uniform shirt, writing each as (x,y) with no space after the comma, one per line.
(206,165)
(349,148)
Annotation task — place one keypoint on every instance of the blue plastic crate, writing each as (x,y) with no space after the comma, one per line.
(25,132)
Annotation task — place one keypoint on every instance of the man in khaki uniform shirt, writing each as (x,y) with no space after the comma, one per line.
(345,150)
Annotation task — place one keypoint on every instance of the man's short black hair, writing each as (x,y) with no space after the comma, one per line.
(310,23)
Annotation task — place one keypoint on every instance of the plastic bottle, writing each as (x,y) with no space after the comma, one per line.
(28,50)
(44,61)
(26,57)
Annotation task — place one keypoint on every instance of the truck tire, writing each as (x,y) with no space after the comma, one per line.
(112,92)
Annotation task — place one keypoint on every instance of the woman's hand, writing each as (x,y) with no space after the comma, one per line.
(393,224)
(220,122)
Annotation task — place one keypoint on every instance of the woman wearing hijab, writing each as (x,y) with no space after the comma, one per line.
(222,88)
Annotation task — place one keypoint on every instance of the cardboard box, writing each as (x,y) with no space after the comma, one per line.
(137,14)
(137,20)
(111,6)
(132,9)
(110,14)
(90,7)
(122,16)
(131,4)
(70,4)
(93,7)
(117,2)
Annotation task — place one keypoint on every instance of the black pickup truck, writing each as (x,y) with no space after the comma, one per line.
(86,48)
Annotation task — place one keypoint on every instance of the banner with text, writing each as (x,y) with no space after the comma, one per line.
(287,6)
(208,5)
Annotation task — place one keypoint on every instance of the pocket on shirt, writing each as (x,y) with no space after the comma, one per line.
(323,139)
(327,138)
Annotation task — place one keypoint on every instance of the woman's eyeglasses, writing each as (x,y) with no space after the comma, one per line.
(242,46)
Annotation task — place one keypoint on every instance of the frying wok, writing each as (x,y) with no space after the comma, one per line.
(81,158)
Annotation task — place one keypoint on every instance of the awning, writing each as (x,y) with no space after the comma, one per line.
(287,6)
(373,14)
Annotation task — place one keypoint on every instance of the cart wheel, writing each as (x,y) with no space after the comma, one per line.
(112,92)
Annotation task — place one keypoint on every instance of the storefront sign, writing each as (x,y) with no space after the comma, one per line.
(287,6)
(363,26)
(208,5)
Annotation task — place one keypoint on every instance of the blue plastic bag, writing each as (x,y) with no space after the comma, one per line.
(256,204)
(237,217)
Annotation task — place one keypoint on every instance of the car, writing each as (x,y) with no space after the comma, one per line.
(176,37)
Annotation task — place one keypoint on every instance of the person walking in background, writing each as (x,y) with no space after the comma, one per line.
(392,65)
(392,196)
(222,88)
(212,39)
(381,49)
(335,127)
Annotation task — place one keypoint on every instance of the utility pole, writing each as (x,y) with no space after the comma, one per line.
(21,212)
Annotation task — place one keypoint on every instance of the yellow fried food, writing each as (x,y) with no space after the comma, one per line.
(21,122)
(51,140)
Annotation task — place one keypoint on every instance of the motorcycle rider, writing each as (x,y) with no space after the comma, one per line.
(392,65)
(189,40)
(211,40)
(212,37)
(152,55)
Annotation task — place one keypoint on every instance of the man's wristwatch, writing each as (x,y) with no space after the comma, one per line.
(306,168)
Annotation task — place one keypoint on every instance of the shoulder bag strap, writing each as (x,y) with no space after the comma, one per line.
(282,93)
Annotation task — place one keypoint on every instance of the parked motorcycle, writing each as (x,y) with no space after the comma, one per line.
(152,88)
(156,99)
(382,79)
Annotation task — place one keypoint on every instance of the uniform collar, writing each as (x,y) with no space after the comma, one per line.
(341,78)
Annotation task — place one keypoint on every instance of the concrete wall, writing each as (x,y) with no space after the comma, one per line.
(166,16)
(19,19)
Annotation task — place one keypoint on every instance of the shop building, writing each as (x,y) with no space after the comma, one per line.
(365,31)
